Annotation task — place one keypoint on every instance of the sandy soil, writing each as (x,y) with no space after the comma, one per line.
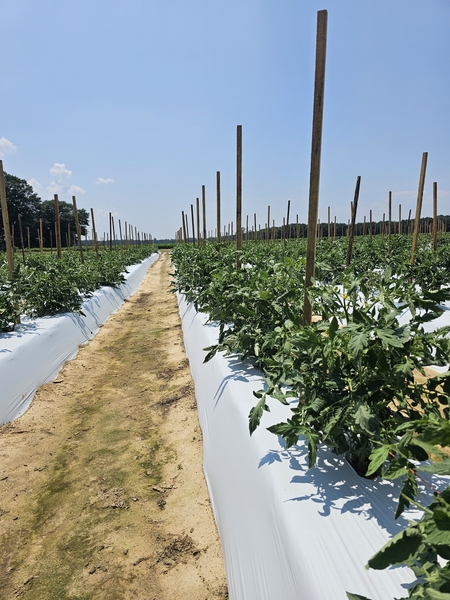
(102,494)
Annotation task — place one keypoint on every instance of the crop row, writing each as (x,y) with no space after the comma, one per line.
(356,379)
(46,285)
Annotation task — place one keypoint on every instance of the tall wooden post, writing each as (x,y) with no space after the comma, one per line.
(218,205)
(370,226)
(286,231)
(204,214)
(254,235)
(120,233)
(238,194)
(94,233)
(435,216)
(57,227)
(352,226)
(41,235)
(197,206)
(399,219)
(423,170)
(78,228)
(6,226)
(316,147)
(193,225)
(184,226)
(186,220)
(21,238)
(389,217)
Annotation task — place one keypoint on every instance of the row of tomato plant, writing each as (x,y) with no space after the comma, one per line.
(350,378)
(46,285)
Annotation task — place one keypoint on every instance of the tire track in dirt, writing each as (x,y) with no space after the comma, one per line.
(102,494)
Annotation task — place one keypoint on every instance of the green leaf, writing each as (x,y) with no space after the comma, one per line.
(409,491)
(254,418)
(366,420)
(398,550)
(358,342)
(356,596)
(312,448)
(389,338)
(377,459)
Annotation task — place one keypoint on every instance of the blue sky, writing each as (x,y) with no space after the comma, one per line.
(133,106)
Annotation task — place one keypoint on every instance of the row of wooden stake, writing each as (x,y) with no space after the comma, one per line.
(313,226)
(130,235)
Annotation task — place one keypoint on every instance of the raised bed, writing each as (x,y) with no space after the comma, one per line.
(286,531)
(35,352)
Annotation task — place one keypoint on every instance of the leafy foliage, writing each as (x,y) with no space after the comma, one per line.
(354,372)
(48,286)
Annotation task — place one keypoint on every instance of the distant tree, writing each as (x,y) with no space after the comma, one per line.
(66,216)
(23,201)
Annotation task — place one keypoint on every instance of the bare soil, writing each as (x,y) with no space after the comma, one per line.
(102,494)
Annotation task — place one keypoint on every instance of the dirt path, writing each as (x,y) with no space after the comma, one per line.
(102,494)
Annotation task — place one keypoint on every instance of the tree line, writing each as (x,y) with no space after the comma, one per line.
(23,201)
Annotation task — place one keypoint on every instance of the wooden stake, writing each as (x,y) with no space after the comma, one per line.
(21,238)
(197,205)
(419,206)
(78,228)
(238,194)
(184,226)
(286,231)
(187,227)
(218,205)
(389,218)
(193,225)
(435,216)
(399,219)
(94,233)
(352,226)
(57,227)
(6,226)
(316,147)
(268,225)
(204,214)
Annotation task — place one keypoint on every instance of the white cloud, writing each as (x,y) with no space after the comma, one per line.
(60,175)
(60,183)
(76,189)
(59,172)
(37,187)
(6,147)
(100,180)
